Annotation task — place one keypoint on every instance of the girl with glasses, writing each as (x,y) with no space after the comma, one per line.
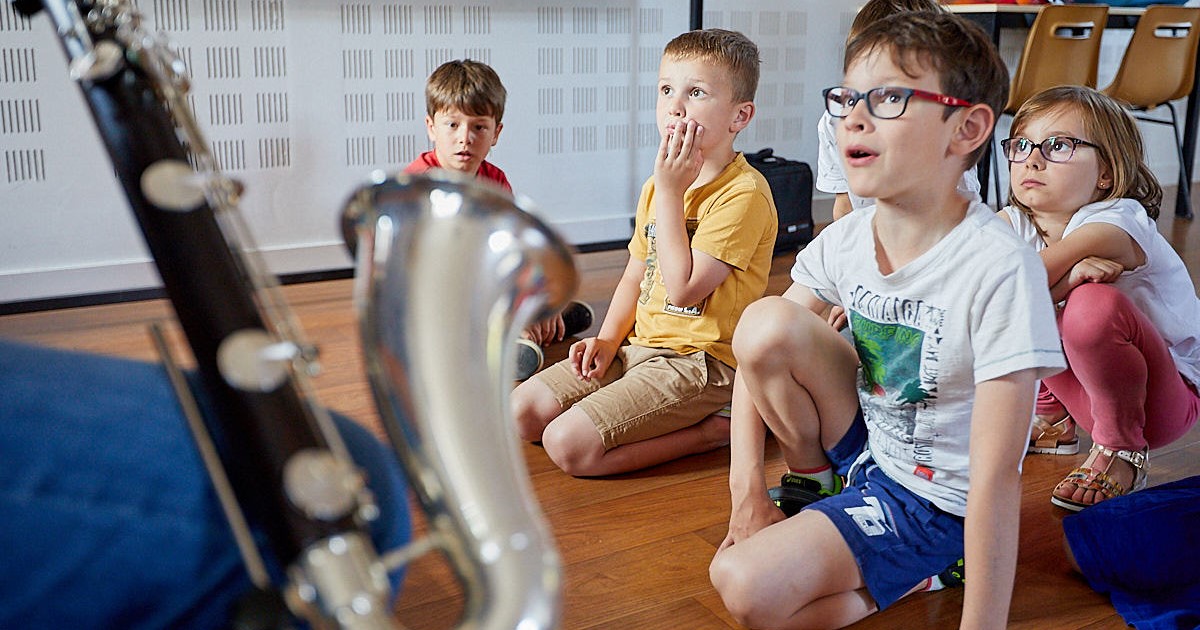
(1128,314)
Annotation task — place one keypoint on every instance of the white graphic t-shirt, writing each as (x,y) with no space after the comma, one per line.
(973,308)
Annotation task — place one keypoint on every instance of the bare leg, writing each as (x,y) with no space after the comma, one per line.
(800,374)
(534,407)
(575,445)
(798,573)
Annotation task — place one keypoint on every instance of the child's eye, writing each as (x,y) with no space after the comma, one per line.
(891,97)
(696,93)
(1058,145)
(665,90)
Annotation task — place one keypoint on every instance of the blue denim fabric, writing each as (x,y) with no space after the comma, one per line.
(107,518)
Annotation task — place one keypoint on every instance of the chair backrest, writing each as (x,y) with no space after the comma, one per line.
(1160,62)
(1063,48)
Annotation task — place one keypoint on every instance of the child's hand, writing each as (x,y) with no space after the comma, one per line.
(547,331)
(749,517)
(837,317)
(679,158)
(1094,269)
(591,357)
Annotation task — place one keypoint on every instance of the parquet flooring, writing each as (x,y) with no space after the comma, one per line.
(636,547)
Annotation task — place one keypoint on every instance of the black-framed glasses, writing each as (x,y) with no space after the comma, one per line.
(882,102)
(1054,148)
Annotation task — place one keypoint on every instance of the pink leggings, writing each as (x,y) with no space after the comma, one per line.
(1121,384)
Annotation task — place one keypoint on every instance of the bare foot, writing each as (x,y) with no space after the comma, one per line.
(1078,491)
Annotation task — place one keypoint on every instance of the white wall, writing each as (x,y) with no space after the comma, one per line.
(302,99)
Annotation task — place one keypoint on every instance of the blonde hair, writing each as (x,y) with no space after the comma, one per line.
(471,87)
(1115,134)
(728,49)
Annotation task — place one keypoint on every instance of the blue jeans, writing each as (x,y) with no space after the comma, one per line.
(107,517)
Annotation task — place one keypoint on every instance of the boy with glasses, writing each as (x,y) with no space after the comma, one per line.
(830,176)
(952,326)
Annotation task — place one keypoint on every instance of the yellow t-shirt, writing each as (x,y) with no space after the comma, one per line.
(732,219)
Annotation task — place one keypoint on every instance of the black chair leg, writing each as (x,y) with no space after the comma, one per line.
(1185,186)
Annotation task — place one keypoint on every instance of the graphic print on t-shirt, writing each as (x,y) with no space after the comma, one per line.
(898,341)
(651,275)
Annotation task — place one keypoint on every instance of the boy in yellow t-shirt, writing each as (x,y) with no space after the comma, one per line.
(644,390)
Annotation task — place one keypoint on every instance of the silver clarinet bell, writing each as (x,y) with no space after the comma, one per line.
(448,270)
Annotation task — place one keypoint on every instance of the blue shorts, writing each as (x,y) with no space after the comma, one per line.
(898,538)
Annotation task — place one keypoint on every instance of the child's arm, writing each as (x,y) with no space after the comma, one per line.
(591,357)
(999,430)
(1090,269)
(689,275)
(751,509)
(1101,240)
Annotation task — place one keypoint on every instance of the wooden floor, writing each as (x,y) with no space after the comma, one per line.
(636,547)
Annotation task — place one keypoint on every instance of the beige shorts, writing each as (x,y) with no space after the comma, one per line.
(647,392)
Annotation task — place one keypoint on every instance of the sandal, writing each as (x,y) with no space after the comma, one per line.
(1100,481)
(1053,439)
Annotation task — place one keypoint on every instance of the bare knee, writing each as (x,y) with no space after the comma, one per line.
(736,582)
(768,326)
(533,407)
(574,444)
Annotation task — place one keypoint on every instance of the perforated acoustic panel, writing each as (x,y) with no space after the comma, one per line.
(301,100)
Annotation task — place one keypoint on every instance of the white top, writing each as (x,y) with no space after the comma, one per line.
(832,179)
(973,308)
(1161,288)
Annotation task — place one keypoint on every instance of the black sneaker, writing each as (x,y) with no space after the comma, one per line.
(529,359)
(954,575)
(577,317)
(794,492)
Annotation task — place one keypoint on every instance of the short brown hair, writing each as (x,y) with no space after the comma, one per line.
(471,87)
(875,10)
(1115,134)
(729,49)
(964,58)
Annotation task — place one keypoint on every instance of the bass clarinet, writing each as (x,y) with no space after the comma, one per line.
(436,259)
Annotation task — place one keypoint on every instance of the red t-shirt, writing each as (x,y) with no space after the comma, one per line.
(487,170)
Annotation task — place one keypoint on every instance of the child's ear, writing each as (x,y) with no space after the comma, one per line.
(429,128)
(974,129)
(743,116)
(496,136)
(1105,182)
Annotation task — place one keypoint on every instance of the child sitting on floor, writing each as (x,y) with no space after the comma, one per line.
(952,326)
(1128,312)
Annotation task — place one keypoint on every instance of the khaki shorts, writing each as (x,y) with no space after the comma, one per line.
(647,392)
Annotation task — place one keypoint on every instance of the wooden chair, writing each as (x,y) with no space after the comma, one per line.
(1159,67)
(1062,48)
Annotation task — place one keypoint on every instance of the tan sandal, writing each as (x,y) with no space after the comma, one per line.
(1100,481)
(1053,439)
